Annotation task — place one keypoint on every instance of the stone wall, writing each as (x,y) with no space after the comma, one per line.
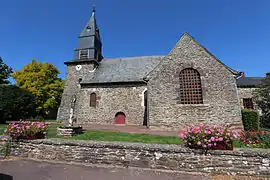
(110,100)
(220,101)
(246,93)
(168,157)
(72,87)
(127,98)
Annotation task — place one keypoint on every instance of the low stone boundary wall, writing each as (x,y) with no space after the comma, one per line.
(169,157)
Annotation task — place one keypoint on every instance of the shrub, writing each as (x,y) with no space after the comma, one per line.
(208,137)
(15,103)
(27,130)
(259,139)
(251,120)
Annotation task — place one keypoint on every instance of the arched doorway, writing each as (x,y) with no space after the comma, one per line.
(120,118)
(145,108)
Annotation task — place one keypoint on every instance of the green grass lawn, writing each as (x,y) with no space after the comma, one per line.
(2,128)
(112,136)
(118,136)
(127,137)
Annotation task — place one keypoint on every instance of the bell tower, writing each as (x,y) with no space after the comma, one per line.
(89,45)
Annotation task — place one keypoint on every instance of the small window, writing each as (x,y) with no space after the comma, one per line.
(93,100)
(248,104)
(83,54)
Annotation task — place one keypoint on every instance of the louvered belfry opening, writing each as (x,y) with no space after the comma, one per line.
(190,87)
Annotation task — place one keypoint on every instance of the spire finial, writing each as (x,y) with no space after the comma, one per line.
(94,9)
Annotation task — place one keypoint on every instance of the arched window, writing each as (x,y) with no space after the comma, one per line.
(93,100)
(190,87)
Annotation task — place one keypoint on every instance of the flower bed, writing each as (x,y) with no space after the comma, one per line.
(27,130)
(209,137)
(257,139)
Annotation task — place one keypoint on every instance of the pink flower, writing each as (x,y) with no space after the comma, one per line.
(44,132)
(204,146)
(215,144)
(185,141)
(5,130)
(212,139)
(199,143)
(209,145)
(27,127)
(220,139)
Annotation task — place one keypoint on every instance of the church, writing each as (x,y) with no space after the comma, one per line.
(186,86)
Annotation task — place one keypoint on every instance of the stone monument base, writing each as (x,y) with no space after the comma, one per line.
(69,131)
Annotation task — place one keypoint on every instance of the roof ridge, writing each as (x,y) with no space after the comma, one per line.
(229,68)
(134,57)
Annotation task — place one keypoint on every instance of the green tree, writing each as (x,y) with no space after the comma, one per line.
(41,79)
(5,72)
(16,103)
(263,101)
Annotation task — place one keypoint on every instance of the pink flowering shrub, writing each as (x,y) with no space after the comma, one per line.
(27,130)
(209,137)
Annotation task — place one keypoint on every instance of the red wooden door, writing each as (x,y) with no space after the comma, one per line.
(120,119)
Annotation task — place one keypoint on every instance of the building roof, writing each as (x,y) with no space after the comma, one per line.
(128,69)
(249,81)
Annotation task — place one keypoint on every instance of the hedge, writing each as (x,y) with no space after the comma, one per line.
(251,119)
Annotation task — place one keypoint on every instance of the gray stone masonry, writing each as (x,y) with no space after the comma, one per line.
(110,100)
(247,93)
(166,157)
(220,100)
(69,131)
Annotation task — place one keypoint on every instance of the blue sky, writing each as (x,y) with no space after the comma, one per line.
(236,32)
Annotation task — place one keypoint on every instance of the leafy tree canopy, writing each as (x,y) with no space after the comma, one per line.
(41,79)
(263,101)
(5,72)
(16,103)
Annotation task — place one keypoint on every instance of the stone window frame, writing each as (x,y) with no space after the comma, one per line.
(190,86)
(93,99)
(142,96)
(203,87)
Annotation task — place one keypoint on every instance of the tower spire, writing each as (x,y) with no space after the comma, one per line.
(93,9)
(90,39)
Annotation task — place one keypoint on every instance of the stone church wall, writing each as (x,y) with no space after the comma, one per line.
(220,100)
(72,87)
(110,100)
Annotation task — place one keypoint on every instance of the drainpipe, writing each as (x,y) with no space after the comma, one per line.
(145,79)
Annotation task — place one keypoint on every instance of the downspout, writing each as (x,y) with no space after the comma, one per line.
(148,99)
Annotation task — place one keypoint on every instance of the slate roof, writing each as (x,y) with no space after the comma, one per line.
(249,81)
(128,69)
